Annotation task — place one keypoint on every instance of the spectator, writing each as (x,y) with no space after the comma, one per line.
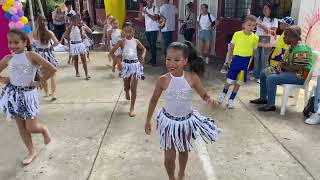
(267,25)
(206,21)
(190,22)
(86,18)
(58,17)
(169,12)
(69,12)
(151,16)
(296,65)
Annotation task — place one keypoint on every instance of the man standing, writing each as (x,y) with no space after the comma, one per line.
(151,16)
(168,11)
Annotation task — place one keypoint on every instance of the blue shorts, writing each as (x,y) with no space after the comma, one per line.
(238,64)
(206,35)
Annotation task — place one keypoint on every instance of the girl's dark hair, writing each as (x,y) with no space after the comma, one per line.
(190,5)
(86,12)
(189,51)
(205,5)
(23,36)
(42,32)
(272,8)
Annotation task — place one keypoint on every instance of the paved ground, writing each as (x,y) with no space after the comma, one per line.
(95,139)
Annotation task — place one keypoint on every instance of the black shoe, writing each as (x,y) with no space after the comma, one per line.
(258,101)
(267,108)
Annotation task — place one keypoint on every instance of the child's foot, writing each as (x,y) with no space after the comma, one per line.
(53,99)
(181,177)
(77,75)
(231,103)
(88,78)
(127,95)
(29,158)
(113,69)
(46,136)
(221,98)
(132,113)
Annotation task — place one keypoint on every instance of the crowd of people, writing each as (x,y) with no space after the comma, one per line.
(289,62)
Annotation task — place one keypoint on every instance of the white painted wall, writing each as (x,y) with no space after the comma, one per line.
(303,8)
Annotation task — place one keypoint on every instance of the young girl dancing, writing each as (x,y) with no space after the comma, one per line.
(177,122)
(19,99)
(77,47)
(114,36)
(106,28)
(131,69)
(86,40)
(41,39)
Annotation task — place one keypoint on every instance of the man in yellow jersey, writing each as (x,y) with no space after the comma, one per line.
(243,44)
(281,47)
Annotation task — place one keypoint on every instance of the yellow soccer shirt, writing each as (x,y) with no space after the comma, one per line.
(280,42)
(279,50)
(244,44)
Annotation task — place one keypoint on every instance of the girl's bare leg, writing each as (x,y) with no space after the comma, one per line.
(45,89)
(183,159)
(169,162)
(76,66)
(133,88)
(84,64)
(34,127)
(27,140)
(53,87)
(126,84)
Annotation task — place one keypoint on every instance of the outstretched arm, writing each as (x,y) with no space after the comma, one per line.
(3,64)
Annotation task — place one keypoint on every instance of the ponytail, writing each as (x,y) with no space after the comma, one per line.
(42,32)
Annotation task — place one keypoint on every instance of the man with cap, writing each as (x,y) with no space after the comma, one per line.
(281,46)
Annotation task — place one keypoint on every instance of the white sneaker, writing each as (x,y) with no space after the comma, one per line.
(221,98)
(224,69)
(231,103)
(314,119)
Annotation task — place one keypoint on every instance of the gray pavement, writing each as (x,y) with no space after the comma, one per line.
(94,139)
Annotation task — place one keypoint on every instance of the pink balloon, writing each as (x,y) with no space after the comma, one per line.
(1,2)
(12,25)
(19,25)
(13,10)
(18,5)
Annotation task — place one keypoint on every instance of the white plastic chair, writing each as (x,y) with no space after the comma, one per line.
(287,88)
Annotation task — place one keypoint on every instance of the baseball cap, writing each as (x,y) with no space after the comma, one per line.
(287,20)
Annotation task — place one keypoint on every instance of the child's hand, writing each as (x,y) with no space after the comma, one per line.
(4,80)
(213,103)
(147,128)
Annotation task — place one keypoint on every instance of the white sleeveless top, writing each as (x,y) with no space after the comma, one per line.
(129,50)
(115,36)
(178,97)
(21,71)
(37,44)
(75,34)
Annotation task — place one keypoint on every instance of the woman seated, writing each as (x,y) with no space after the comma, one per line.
(294,69)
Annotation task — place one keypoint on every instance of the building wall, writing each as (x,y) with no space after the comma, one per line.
(303,8)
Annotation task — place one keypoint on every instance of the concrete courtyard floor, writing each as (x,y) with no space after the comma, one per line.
(94,139)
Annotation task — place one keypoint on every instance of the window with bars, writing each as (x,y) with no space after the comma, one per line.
(282,7)
(99,4)
(133,5)
(236,8)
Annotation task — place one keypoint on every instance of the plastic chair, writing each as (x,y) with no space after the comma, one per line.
(287,88)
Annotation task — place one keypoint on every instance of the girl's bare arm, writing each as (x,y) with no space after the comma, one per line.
(197,85)
(54,39)
(144,51)
(47,69)
(3,65)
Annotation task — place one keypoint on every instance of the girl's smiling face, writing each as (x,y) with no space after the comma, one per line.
(16,44)
(175,61)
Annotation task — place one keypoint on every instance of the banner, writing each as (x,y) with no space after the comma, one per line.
(4,50)
(118,10)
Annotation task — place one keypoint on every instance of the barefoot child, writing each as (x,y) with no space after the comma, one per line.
(41,39)
(243,44)
(106,28)
(131,67)
(86,40)
(19,99)
(77,47)
(177,122)
(114,36)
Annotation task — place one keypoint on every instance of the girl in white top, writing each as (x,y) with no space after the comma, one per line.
(131,66)
(19,99)
(86,40)
(177,123)
(114,36)
(267,26)
(106,28)
(77,47)
(41,39)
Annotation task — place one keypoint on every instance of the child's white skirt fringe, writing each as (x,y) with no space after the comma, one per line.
(131,68)
(118,52)
(22,102)
(88,43)
(77,48)
(180,131)
(47,54)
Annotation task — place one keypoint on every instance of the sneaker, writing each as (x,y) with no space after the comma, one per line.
(314,119)
(231,103)
(224,69)
(221,98)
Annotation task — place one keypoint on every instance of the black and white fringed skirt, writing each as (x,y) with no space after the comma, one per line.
(77,48)
(131,68)
(17,101)
(47,54)
(181,131)
(87,42)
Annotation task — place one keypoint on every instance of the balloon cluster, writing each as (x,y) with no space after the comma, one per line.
(14,12)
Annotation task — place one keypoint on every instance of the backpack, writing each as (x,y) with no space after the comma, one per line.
(213,23)
(309,109)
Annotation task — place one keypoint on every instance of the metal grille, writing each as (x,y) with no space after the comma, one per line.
(133,5)
(236,8)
